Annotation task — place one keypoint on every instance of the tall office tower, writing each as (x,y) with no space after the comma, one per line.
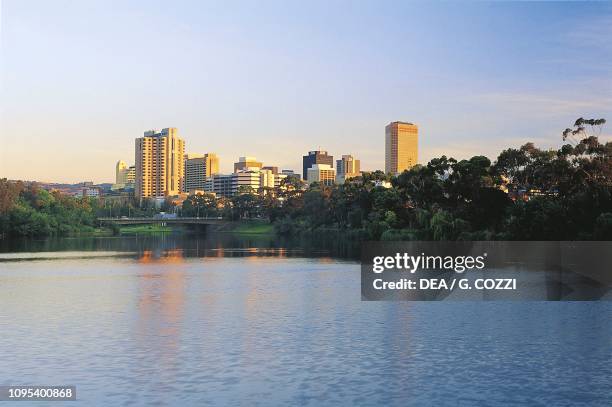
(198,167)
(120,172)
(315,157)
(247,163)
(195,173)
(160,164)
(347,168)
(401,146)
(212,164)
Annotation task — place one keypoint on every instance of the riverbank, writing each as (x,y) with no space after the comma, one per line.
(247,227)
(252,228)
(144,229)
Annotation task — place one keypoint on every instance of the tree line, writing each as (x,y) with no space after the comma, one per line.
(526,194)
(27,210)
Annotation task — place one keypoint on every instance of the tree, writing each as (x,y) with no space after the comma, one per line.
(292,183)
(199,205)
(245,205)
(9,193)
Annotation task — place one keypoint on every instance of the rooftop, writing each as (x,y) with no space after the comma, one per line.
(398,122)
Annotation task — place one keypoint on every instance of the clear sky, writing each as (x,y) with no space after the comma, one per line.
(82,79)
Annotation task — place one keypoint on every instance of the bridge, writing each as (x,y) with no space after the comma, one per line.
(164,221)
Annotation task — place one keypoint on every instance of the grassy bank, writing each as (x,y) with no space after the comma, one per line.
(253,228)
(138,229)
(241,228)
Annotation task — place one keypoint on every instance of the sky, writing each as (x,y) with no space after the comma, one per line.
(80,80)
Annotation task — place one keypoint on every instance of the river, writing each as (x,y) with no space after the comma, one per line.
(224,320)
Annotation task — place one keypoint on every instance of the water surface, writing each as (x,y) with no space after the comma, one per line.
(195,321)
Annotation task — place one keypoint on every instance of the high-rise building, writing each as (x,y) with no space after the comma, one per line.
(347,167)
(197,169)
(195,173)
(120,172)
(247,163)
(130,176)
(401,146)
(160,164)
(212,164)
(315,157)
(321,173)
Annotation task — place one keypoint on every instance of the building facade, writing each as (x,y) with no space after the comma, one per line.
(212,164)
(401,147)
(220,185)
(88,192)
(195,173)
(243,181)
(160,170)
(267,179)
(290,172)
(120,172)
(251,180)
(125,176)
(278,180)
(315,157)
(347,167)
(198,168)
(247,163)
(322,173)
(271,168)
(130,176)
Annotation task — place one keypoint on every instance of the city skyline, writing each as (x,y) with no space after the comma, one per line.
(164,169)
(276,80)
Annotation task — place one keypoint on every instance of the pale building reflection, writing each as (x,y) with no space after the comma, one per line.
(161,306)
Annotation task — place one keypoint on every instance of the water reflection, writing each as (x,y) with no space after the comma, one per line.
(176,321)
(161,295)
(169,246)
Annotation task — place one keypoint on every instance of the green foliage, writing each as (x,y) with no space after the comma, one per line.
(143,229)
(200,205)
(31,211)
(526,194)
(254,228)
